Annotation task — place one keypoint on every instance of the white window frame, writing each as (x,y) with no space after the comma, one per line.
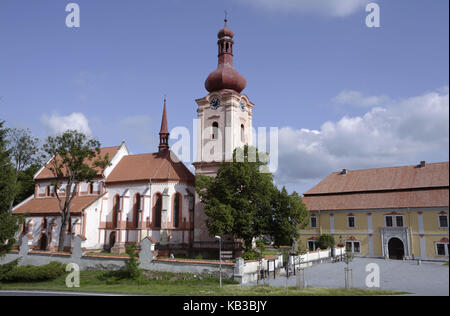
(394,220)
(348,221)
(445,248)
(310,222)
(353,245)
(439,220)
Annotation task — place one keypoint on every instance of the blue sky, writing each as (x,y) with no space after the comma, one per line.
(342,94)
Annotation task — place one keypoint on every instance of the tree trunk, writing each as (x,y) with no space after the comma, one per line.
(62,234)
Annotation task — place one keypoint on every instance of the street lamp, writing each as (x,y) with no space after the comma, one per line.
(220,258)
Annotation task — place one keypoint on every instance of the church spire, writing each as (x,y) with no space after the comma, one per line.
(164,132)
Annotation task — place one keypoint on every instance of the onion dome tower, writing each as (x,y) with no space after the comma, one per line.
(225,77)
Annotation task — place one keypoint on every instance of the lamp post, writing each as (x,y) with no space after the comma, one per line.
(220,259)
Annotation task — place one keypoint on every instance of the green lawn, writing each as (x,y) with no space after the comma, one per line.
(181,284)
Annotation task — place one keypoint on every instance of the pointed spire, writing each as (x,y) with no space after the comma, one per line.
(164,132)
(164,128)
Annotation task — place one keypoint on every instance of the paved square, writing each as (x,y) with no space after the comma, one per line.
(429,278)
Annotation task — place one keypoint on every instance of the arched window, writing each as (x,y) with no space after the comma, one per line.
(242,133)
(176,210)
(137,209)
(215,130)
(116,210)
(157,211)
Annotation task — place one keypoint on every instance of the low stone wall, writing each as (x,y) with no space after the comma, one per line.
(240,270)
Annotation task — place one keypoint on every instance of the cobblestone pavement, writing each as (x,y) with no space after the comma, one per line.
(428,278)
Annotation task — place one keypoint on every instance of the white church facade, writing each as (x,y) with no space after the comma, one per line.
(150,195)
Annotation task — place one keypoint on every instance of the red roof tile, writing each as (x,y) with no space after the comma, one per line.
(392,178)
(50,205)
(394,187)
(157,166)
(45,173)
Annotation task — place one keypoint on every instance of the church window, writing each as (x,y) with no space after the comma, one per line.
(215,130)
(176,211)
(242,133)
(137,209)
(157,211)
(116,210)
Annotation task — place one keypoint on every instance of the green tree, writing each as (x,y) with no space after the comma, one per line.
(76,158)
(24,152)
(26,184)
(326,241)
(9,224)
(289,214)
(238,200)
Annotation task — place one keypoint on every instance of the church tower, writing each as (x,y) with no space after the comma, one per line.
(224,123)
(225,114)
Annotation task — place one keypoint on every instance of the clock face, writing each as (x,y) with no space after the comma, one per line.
(242,106)
(215,103)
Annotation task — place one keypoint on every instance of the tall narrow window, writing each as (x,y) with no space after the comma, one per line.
(91,188)
(242,133)
(116,209)
(176,211)
(48,191)
(215,130)
(157,211)
(137,209)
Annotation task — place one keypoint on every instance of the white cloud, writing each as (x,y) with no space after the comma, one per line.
(336,8)
(57,124)
(402,133)
(356,98)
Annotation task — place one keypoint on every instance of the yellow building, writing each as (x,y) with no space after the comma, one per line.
(395,212)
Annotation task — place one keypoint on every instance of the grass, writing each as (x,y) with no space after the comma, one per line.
(161,283)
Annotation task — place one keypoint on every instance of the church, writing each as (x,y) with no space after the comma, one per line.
(150,195)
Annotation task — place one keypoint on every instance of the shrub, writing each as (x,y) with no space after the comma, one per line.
(131,271)
(250,255)
(326,241)
(30,273)
(6,268)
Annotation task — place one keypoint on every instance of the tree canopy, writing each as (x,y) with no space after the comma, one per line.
(243,202)
(75,158)
(9,224)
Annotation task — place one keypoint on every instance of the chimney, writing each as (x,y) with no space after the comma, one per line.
(423,164)
(344,171)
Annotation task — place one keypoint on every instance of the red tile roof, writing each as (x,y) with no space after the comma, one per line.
(146,167)
(50,205)
(45,173)
(392,178)
(394,187)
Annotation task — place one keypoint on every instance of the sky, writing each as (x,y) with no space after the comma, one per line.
(341,94)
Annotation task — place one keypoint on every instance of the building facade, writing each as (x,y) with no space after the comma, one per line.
(396,212)
(149,195)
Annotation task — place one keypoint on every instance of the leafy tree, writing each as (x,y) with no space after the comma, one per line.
(238,200)
(326,241)
(9,224)
(24,153)
(75,159)
(289,213)
(26,183)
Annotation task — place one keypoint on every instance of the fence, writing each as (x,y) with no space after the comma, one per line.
(240,270)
